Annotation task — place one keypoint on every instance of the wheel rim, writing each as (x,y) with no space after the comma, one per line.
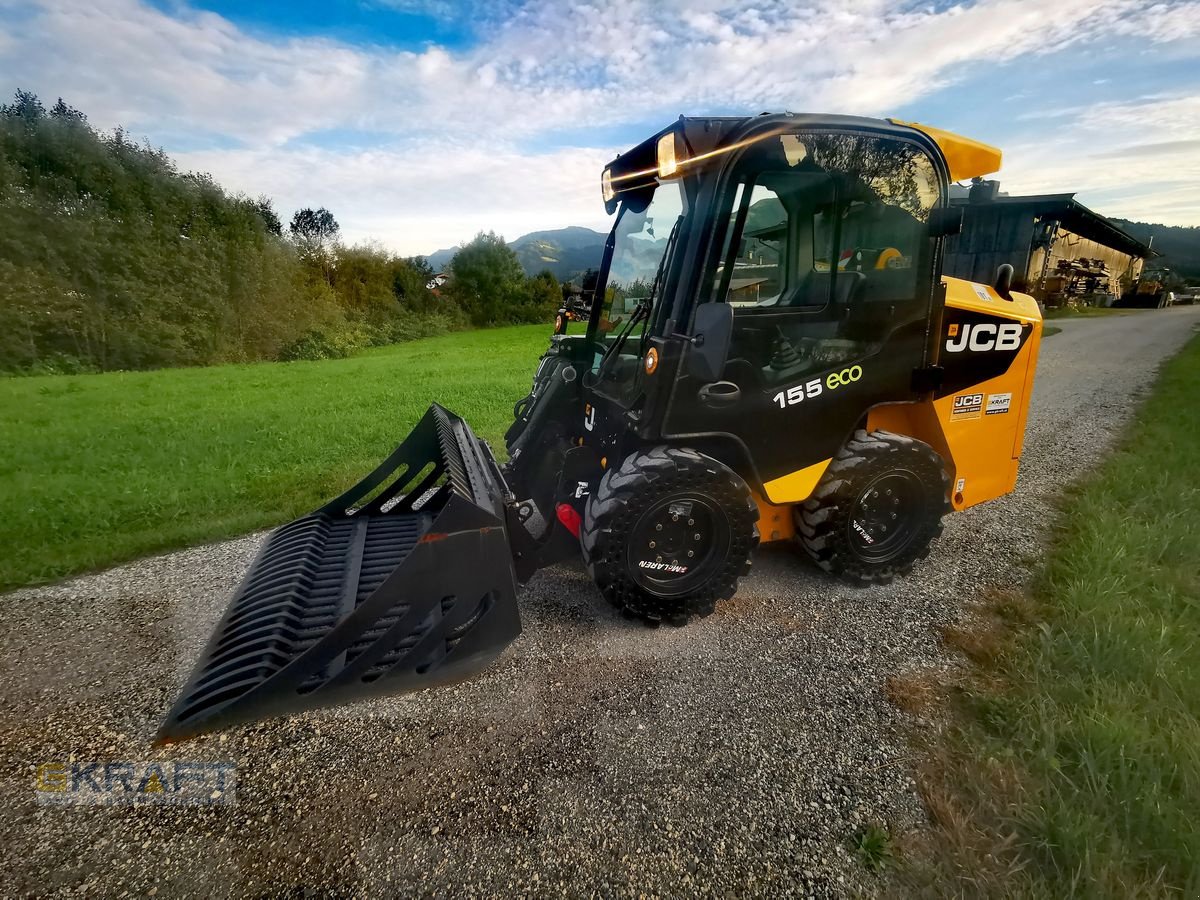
(887,516)
(663,537)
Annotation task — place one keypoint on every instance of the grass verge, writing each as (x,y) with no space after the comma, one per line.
(1073,763)
(1072,767)
(103,468)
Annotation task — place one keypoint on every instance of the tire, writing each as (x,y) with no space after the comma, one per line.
(645,499)
(878,483)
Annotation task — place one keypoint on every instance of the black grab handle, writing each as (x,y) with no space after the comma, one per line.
(720,394)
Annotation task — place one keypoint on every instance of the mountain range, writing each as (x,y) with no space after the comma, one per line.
(566,252)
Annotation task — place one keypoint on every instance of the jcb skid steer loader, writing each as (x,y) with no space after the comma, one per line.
(772,354)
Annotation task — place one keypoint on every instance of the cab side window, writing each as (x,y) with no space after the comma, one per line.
(825,254)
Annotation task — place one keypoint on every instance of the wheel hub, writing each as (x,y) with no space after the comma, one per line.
(675,543)
(886,517)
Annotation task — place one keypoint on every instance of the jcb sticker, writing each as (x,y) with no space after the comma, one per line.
(966,406)
(983,336)
(818,386)
(998,404)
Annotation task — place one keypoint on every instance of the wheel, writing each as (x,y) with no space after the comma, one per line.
(877,509)
(668,533)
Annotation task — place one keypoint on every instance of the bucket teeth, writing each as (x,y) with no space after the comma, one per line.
(401,583)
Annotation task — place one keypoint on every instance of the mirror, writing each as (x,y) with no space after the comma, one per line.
(1004,280)
(711,334)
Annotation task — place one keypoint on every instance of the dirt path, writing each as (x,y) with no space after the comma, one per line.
(738,754)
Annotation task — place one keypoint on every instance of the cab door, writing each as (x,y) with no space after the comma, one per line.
(824,251)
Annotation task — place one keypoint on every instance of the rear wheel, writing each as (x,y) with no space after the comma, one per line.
(668,533)
(877,509)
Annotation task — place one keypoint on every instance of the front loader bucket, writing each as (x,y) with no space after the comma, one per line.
(372,594)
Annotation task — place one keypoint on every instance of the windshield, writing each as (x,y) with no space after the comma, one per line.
(640,241)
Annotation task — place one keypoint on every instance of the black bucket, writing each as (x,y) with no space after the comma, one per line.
(406,589)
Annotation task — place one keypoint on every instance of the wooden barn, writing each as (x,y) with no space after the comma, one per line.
(1058,248)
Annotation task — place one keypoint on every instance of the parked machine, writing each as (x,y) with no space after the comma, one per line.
(772,354)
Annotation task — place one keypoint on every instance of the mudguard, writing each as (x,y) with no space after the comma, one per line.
(404,582)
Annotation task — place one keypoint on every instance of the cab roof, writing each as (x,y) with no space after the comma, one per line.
(965,158)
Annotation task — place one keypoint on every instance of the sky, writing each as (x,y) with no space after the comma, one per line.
(421,122)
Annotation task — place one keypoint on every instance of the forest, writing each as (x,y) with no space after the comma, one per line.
(111,258)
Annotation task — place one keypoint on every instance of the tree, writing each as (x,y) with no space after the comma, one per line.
(488,281)
(266,211)
(26,106)
(544,297)
(314,230)
(68,114)
(410,282)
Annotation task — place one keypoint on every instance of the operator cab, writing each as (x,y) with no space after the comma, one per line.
(817,238)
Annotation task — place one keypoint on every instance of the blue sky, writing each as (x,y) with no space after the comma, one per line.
(420,122)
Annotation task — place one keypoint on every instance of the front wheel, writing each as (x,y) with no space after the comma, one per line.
(877,509)
(668,533)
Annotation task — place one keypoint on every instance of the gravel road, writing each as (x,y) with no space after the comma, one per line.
(738,755)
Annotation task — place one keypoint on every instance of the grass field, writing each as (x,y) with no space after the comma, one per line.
(1074,768)
(103,468)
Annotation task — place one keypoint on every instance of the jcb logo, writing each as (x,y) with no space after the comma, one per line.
(984,336)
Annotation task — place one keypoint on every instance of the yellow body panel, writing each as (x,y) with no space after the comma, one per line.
(775,523)
(797,486)
(982,452)
(965,158)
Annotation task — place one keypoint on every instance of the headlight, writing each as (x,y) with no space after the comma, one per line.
(667,164)
(606,188)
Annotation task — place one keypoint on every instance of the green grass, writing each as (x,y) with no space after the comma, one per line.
(1077,756)
(1050,330)
(103,468)
(873,847)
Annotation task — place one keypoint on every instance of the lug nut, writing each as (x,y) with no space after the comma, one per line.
(658,527)
(674,518)
(658,559)
(690,522)
(697,536)
(652,545)
(690,553)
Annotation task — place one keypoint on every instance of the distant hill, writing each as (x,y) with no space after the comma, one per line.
(564,251)
(1179,246)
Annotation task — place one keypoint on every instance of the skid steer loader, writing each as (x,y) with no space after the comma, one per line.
(771,354)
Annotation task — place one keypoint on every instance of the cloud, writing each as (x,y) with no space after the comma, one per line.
(426,195)
(1154,179)
(536,71)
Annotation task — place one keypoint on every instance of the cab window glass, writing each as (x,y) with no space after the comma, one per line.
(827,252)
